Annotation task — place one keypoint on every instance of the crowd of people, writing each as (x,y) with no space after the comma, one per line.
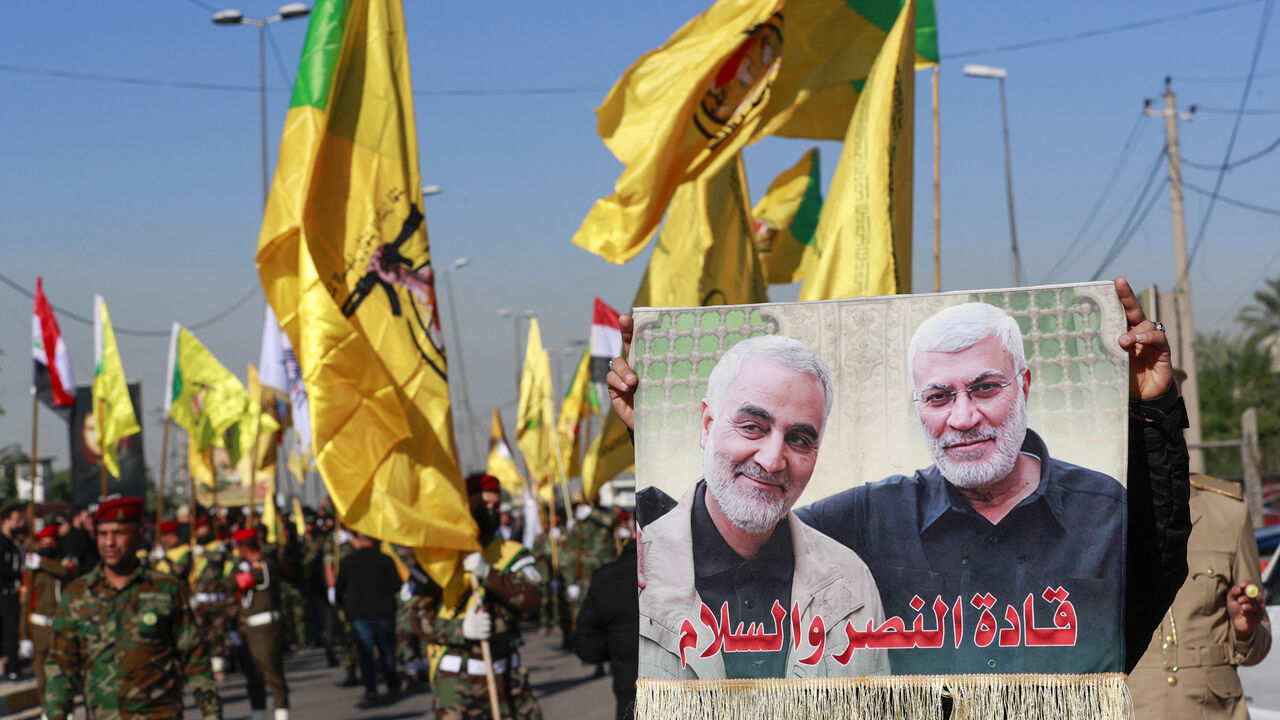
(96,594)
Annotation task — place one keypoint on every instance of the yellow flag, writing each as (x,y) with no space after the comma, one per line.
(346,264)
(299,519)
(533,424)
(863,242)
(706,253)
(112,406)
(257,430)
(730,76)
(786,217)
(203,397)
(610,455)
(579,402)
(299,463)
(501,463)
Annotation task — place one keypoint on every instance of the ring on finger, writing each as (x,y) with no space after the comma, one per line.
(1160,327)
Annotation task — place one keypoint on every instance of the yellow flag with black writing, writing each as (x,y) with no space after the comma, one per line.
(786,218)
(257,430)
(346,264)
(580,402)
(705,253)
(203,397)
(112,406)
(862,246)
(533,422)
(740,71)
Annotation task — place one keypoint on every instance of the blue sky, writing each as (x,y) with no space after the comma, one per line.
(150,194)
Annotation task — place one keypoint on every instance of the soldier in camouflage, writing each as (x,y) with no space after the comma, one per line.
(589,546)
(213,597)
(454,623)
(124,636)
(170,555)
(48,570)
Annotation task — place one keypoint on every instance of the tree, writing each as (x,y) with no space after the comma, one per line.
(1263,319)
(1236,374)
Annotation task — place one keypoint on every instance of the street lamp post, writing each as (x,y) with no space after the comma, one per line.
(235,17)
(446,274)
(515,324)
(986,71)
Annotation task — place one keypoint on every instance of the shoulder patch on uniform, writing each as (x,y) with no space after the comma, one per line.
(1219,486)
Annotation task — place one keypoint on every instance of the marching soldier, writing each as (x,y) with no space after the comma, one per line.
(211,597)
(49,570)
(258,581)
(124,636)
(1217,621)
(170,555)
(590,546)
(454,623)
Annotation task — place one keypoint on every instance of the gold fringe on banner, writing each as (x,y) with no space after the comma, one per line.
(889,697)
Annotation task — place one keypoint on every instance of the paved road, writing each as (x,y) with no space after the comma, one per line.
(564,686)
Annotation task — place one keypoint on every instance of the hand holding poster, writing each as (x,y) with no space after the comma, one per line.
(929,487)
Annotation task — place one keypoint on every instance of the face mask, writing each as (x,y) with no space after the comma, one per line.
(488,520)
(53,553)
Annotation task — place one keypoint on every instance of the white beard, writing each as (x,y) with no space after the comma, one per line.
(749,509)
(972,473)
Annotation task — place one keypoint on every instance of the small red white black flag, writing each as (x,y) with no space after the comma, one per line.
(606,340)
(53,381)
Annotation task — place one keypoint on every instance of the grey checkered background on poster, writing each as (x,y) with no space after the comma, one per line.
(1079,379)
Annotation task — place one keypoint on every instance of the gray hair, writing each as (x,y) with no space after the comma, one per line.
(789,352)
(960,327)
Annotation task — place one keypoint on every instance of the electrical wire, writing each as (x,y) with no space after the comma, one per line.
(1231,111)
(1121,243)
(275,50)
(1235,130)
(1121,163)
(1122,237)
(1235,304)
(131,331)
(1233,165)
(1230,201)
(1125,27)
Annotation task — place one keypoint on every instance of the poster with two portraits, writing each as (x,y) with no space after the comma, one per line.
(866,505)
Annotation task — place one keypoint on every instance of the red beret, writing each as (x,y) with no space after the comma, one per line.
(244,535)
(224,535)
(169,526)
(482,482)
(119,509)
(202,521)
(47,531)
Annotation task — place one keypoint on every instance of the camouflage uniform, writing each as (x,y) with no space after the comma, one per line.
(37,621)
(408,644)
(552,590)
(260,625)
(212,600)
(176,562)
(127,650)
(457,665)
(591,546)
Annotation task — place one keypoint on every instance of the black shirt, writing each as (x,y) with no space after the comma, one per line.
(749,587)
(367,585)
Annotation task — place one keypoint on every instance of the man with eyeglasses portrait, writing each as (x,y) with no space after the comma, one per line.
(998,516)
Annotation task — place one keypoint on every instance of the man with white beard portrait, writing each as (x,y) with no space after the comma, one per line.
(756,566)
(996,516)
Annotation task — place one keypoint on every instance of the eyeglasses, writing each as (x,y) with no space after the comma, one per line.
(935,400)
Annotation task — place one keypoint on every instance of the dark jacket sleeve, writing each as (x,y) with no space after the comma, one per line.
(591,633)
(1159,517)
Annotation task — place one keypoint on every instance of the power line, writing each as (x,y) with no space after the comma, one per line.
(1231,201)
(1133,230)
(1122,237)
(1121,162)
(130,331)
(1247,289)
(275,50)
(1235,130)
(1230,111)
(1125,27)
(1233,165)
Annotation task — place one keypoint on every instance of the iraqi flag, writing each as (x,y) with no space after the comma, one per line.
(606,340)
(54,383)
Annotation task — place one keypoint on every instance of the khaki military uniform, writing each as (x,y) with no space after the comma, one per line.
(261,625)
(127,650)
(40,608)
(1189,669)
(457,669)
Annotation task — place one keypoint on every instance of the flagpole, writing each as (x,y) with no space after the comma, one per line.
(164,461)
(486,654)
(102,467)
(35,435)
(937,190)
(550,411)
(213,472)
(192,478)
(253,471)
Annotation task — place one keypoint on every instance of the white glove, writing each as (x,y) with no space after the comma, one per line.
(157,552)
(475,564)
(343,536)
(26,649)
(554,532)
(624,533)
(33,561)
(583,512)
(244,566)
(197,550)
(574,592)
(333,597)
(477,625)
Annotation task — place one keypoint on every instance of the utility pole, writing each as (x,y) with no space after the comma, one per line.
(1183,333)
